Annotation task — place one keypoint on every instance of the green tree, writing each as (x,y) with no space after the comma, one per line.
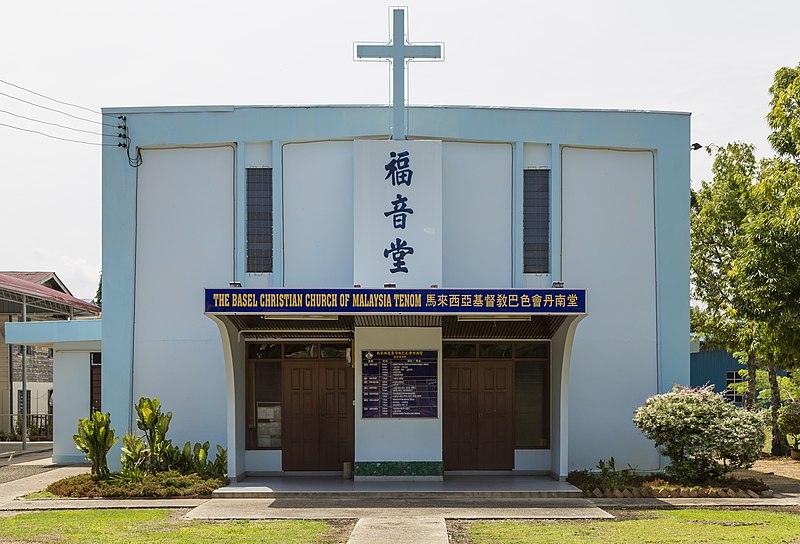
(784,114)
(746,248)
(766,272)
(718,213)
(98,296)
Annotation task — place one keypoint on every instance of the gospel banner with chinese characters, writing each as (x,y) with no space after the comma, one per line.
(397,301)
(398,213)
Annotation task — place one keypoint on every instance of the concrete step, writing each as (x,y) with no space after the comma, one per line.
(240,493)
(452,487)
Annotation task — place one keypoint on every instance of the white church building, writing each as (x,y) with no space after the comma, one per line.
(413,290)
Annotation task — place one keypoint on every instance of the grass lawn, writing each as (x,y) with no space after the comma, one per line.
(156,526)
(647,527)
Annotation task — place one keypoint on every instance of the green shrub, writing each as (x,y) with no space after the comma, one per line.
(155,424)
(219,468)
(95,437)
(610,477)
(789,420)
(704,436)
(161,455)
(163,484)
(134,458)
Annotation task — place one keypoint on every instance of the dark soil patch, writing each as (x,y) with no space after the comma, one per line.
(340,531)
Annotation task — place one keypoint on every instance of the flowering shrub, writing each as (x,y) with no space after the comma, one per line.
(789,420)
(703,435)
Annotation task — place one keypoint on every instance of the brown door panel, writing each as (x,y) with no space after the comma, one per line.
(478,421)
(318,426)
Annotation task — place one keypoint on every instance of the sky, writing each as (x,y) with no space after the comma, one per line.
(713,58)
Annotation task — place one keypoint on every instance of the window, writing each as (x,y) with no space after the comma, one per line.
(536,221)
(264,429)
(95,382)
(259,220)
(531,404)
(732,377)
(264,385)
(531,377)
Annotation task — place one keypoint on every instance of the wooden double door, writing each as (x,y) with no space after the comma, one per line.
(478,424)
(318,418)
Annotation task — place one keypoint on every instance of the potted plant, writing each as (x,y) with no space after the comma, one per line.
(789,424)
(18,430)
(33,432)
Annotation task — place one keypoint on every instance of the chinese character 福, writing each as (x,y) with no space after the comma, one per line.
(398,169)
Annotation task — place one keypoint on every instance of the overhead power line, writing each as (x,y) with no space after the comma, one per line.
(53,99)
(58,111)
(122,124)
(57,137)
(55,124)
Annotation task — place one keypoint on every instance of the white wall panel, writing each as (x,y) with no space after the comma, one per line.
(609,248)
(184,243)
(476,219)
(536,156)
(318,214)
(396,439)
(71,397)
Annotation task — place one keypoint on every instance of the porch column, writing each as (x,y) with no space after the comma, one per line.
(561,353)
(233,353)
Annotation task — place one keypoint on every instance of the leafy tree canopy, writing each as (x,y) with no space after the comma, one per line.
(784,115)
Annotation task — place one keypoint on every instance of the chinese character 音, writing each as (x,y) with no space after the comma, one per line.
(398,169)
(400,212)
(398,250)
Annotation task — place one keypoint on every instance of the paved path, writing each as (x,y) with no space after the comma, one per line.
(218,509)
(17,488)
(416,530)
(11,453)
(405,521)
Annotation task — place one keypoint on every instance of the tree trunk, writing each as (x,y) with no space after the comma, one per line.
(779,444)
(750,393)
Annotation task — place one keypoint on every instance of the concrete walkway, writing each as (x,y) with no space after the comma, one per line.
(17,488)
(418,530)
(397,521)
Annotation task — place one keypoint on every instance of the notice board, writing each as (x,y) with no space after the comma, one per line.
(399,383)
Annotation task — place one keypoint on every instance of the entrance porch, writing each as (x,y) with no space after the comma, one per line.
(403,384)
(500,396)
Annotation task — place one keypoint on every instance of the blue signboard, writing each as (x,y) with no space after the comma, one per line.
(396,301)
(399,383)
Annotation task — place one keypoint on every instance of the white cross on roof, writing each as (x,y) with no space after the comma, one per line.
(398,51)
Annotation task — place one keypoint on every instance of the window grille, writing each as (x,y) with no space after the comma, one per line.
(536,221)
(732,377)
(259,220)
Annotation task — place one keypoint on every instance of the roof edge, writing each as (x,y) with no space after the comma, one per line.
(231,108)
